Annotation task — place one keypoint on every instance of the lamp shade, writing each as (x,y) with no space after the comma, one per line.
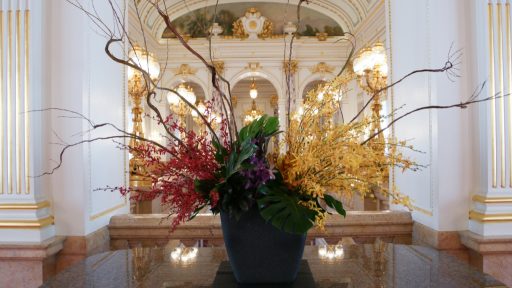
(146,61)
(371,59)
(253,92)
(190,96)
(173,98)
(201,108)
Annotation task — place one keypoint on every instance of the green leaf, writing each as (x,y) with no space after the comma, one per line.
(220,151)
(194,214)
(335,204)
(236,159)
(204,186)
(271,126)
(284,212)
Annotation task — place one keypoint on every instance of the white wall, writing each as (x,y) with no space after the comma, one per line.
(421,33)
(79,76)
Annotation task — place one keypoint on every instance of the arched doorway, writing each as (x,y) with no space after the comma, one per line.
(265,102)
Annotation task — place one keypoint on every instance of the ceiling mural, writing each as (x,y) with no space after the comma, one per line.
(197,23)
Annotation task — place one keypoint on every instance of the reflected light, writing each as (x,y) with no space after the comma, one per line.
(330,252)
(183,254)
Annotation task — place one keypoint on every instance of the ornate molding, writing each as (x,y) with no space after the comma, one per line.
(234,101)
(274,101)
(253,66)
(290,67)
(322,68)
(321,36)
(25,206)
(185,70)
(219,66)
(253,26)
(27,224)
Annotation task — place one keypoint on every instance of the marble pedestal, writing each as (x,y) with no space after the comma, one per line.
(492,255)
(28,265)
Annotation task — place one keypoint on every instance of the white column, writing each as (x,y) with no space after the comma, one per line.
(491,211)
(52,56)
(25,212)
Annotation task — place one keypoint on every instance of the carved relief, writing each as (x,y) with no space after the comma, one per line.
(253,66)
(185,70)
(219,67)
(322,68)
(290,67)
(253,26)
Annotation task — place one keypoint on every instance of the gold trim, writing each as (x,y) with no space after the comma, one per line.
(477,216)
(509,62)
(10,153)
(17,78)
(502,99)
(108,211)
(492,92)
(392,92)
(26,102)
(25,206)
(2,161)
(423,211)
(27,224)
(492,200)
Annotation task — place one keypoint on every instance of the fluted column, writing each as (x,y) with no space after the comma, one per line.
(491,211)
(25,213)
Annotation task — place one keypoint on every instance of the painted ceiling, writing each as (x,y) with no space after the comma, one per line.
(348,14)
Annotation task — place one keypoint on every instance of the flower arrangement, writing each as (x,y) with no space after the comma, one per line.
(320,162)
(230,170)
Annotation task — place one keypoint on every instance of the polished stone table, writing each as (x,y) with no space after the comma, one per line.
(371,265)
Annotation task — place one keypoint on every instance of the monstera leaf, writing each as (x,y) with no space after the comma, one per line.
(282,209)
(335,204)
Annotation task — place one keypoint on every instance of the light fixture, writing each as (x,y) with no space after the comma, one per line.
(201,108)
(144,60)
(177,105)
(138,89)
(253,114)
(180,107)
(371,67)
(254,91)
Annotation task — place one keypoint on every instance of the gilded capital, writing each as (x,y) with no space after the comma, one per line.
(185,70)
(219,66)
(290,67)
(322,68)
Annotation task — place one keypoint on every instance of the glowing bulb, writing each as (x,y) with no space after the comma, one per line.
(322,251)
(145,61)
(173,98)
(320,96)
(253,92)
(201,108)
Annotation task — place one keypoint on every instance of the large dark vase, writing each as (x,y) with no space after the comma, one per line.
(259,252)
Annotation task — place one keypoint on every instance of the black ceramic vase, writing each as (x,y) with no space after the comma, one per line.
(259,252)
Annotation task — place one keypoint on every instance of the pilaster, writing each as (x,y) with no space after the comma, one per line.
(491,209)
(25,212)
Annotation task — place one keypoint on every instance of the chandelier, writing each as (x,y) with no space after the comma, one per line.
(177,105)
(371,68)
(252,114)
(253,92)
